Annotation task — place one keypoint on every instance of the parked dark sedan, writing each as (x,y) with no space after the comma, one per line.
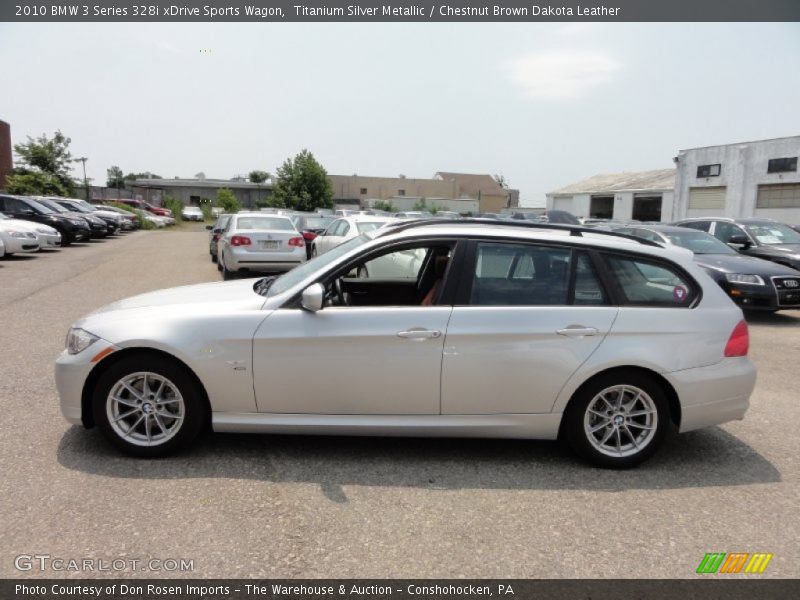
(753,283)
(98,226)
(311,225)
(215,231)
(111,223)
(762,238)
(72,229)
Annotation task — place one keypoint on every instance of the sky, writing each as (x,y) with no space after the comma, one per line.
(545,105)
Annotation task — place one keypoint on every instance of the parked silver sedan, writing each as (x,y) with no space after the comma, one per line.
(259,242)
(505,330)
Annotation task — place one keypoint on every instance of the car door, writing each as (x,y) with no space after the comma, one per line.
(521,327)
(330,237)
(351,360)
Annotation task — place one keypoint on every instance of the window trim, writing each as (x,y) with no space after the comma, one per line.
(709,166)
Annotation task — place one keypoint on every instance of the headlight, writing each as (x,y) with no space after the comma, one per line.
(18,234)
(77,221)
(744,279)
(79,340)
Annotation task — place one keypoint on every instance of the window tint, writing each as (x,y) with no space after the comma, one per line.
(646,283)
(520,275)
(588,291)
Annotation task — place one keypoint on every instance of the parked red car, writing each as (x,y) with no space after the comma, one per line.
(142,205)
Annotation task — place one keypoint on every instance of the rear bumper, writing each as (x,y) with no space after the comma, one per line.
(237,260)
(715,394)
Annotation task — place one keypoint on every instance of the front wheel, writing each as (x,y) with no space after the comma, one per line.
(618,420)
(148,406)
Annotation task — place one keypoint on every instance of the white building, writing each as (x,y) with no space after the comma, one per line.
(749,179)
(643,196)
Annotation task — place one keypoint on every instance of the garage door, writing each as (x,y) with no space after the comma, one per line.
(707,198)
(563,203)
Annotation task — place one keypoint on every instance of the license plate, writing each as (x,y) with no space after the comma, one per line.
(269,244)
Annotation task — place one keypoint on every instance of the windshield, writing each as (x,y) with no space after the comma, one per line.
(773,233)
(317,222)
(264,223)
(317,263)
(39,207)
(365,226)
(74,206)
(699,242)
(54,205)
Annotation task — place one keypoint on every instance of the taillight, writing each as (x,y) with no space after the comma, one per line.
(297,241)
(240,240)
(739,342)
(309,235)
(214,237)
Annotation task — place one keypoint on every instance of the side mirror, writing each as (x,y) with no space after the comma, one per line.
(209,227)
(740,240)
(313,297)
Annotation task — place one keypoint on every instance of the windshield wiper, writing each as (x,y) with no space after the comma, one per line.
(262,285)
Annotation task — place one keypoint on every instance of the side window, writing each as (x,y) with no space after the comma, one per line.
(588,291)
(520,275)
(15,206)
(724,231)
(344,229)
(699,225)
(401,264)
(647,235)
(646,283)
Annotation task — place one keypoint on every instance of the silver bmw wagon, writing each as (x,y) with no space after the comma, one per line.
(468,328)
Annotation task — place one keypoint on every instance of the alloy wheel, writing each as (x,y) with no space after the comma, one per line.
(620,421)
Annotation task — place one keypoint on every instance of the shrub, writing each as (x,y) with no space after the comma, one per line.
(227,201)
(175,205)
(385,205)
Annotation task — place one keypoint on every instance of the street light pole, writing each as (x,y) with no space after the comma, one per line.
(83,160)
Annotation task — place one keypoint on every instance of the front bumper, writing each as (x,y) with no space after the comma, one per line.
(714,394)
(71,371)
(47,240)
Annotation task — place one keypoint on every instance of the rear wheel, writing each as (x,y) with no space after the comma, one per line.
(148,406)
(618,420)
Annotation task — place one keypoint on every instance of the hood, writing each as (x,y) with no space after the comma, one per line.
(738,263)
(24,225)
(187,296)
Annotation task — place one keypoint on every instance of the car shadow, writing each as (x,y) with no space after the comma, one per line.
(20,256)
(710,457)
(789,318)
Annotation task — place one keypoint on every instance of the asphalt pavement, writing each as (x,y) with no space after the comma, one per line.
(298,506)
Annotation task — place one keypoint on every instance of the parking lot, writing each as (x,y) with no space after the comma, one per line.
(296,506)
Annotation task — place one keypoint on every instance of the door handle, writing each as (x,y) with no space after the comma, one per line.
(419,334)
(577,331)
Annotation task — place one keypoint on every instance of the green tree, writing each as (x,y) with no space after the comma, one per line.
(385,205)
(49,156)
(302,184)
(227,201)
(134,176)
(258,176)
(115,178)
(34,183)
(424,206)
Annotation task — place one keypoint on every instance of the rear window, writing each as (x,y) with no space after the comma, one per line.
(264,223)
(645,283)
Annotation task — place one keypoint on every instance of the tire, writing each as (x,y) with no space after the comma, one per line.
(226,274)
(615,442)
(213,258)
(149,431)
(313,250)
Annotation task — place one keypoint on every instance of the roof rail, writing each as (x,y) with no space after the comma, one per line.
(574,230)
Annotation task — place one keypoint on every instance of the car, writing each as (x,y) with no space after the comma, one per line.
(310,225)
(506,330)
(192,213)
(346,228)
(128,221)
(72,229)
(752,283)
(762,238)
(413,214)
(99,228)
(2,248)
(112,218)
(214,231)
(447,214)
(255,242)
(47,236)
(345,212)
(15,237)
(146,206)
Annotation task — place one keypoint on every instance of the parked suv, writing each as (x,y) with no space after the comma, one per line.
(762,238)
(503,329)
(72,229)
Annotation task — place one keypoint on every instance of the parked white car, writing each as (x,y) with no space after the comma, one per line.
(254,241)
(508,331)
(346,228)
(192,213)
(47,236)
(17,237)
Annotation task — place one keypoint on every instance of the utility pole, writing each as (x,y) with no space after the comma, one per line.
(83,160)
